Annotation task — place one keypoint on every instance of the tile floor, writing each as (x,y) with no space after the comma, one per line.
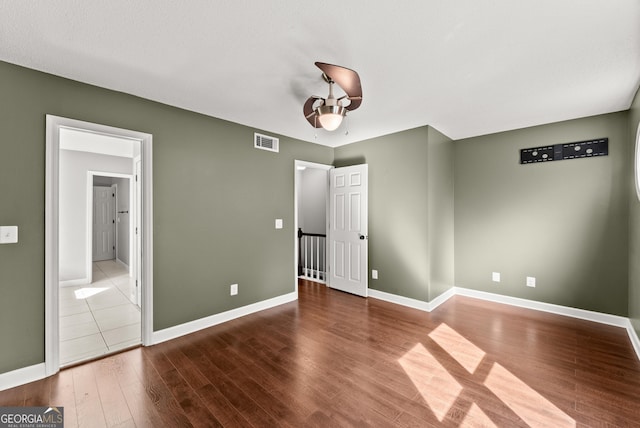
(99,318)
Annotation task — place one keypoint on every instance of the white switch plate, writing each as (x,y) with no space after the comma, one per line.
(374,274)
(233,290)
(278,223)
(495,276)
(8,234)
(531,281)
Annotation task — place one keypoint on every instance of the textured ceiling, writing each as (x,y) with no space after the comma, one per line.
(466,67)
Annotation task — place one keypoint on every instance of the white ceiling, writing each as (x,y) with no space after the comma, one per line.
(466,67)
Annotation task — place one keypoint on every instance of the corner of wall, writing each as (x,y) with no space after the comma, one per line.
(634,221)
(440,205)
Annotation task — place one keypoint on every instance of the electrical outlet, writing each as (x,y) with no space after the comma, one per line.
(374,274)
(531,281)
(233,289)
(495,276)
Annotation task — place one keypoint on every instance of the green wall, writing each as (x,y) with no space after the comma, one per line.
(565,223)
(410,210)
(215,201)
(570,224)
(634,220)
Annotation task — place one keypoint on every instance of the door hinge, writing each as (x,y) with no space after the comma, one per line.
(113,221)
(136,177)
(113,195)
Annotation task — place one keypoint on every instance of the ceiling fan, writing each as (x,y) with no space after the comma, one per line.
(328,112)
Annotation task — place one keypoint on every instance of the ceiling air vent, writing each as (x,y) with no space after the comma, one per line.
(265,142)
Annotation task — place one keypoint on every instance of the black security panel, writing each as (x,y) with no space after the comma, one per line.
(580,149)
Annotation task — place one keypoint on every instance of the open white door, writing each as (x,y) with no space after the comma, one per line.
(348,206)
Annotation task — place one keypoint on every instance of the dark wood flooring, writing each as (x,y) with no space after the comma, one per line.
(332,359)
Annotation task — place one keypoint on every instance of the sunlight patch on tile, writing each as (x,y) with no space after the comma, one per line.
(532,407)
(438,388)
(464,352)
(84,293)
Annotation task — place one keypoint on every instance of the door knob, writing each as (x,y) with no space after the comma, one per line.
(363,237)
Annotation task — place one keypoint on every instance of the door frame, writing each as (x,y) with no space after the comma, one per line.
(52,189)
(296,188)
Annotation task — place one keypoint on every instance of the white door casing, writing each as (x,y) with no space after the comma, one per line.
(348,229)
(137,220)
(52,332)
(103,223)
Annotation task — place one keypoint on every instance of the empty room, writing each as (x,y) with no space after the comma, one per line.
(327,214)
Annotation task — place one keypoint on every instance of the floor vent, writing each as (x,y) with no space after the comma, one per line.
(265,142)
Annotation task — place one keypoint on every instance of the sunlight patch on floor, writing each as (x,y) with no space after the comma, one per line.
(463,351)
(532,407)
(438,388)
(477,418)
(84,293)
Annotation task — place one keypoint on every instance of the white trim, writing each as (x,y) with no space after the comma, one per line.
(210,321)
(75,282)
(412,303)
(52,334)
(51,277)
(400,300)
(633,336)
(584,314)
(123,264)
(22,376)
(636,163)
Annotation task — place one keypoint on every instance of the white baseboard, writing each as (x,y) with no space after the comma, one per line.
(22,376)
(412,303)
(123,264)
(584,314)
(75,282)
(400,300)
(633,336)
(202,323)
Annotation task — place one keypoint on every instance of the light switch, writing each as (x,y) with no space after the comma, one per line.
(8,234)
(278,223)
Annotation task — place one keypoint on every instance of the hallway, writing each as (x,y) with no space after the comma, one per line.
(100,318)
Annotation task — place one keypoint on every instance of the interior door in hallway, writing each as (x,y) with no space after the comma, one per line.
(103,224)
(348,245)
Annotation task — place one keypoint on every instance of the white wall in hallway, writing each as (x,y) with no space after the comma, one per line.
(74,166)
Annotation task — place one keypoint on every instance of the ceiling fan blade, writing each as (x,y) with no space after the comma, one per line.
(309,113)
(347,79)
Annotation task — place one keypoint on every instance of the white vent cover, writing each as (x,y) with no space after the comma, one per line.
(265,142)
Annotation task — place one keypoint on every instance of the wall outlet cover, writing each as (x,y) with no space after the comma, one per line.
(531,281)
(233,289)
(374,274)
(8,234)
(495,276)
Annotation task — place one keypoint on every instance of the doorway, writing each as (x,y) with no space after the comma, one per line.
(96,286)
(311,220)
(345,209)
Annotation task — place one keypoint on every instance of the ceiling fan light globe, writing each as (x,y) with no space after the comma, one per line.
(330,117)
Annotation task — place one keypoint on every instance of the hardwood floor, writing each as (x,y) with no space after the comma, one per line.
(332,359)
